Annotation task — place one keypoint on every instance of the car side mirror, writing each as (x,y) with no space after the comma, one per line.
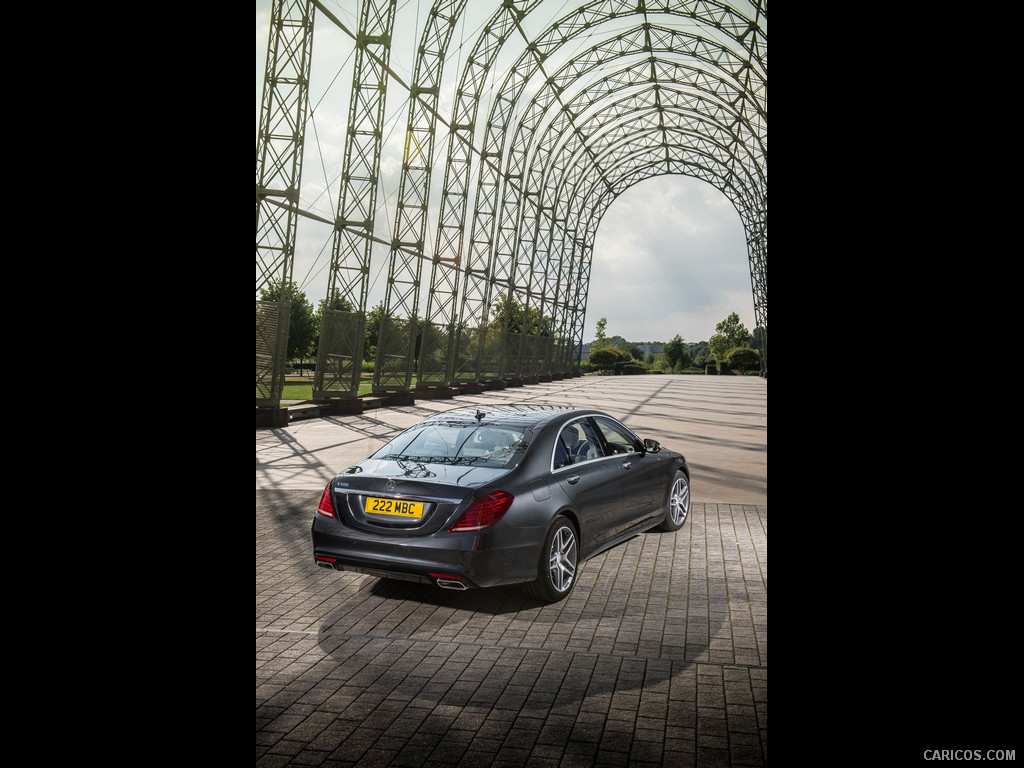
(652,446)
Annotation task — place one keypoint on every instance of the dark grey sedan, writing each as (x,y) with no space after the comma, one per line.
(477,497)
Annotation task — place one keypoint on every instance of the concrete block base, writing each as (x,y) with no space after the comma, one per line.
(267,418)
(398,398)
(435,393)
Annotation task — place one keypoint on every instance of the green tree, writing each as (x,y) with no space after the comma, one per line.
(373,320)
(743,359)
(336,303)
(605,358)
(635,352)
(520,319)
(674,350)
(758,341)
(731,333)
(302,327)
(698,352)
(600,337)
(621,343)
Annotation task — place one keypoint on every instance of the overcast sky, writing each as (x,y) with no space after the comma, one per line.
(670,255)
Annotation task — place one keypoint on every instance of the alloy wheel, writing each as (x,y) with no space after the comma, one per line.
(563,559)
(679,501)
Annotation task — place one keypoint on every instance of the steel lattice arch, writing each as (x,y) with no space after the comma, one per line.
(521,123)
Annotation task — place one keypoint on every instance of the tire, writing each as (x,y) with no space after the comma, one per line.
(678,503)
(559,563)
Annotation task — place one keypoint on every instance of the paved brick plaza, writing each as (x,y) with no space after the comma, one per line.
(658,657)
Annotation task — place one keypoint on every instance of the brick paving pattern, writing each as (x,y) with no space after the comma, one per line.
(657,658)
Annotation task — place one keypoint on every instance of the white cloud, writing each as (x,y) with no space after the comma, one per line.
(670,258)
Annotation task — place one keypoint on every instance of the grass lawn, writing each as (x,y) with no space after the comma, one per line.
(294,390)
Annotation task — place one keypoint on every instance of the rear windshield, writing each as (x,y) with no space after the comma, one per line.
(468,444)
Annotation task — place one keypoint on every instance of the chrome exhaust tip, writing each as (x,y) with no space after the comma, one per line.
(451,584)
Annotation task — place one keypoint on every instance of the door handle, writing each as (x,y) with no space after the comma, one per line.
(627,465)
(572,479)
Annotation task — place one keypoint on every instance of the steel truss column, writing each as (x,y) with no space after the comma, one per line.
(757,249)
(400,326)
(278,173)
(340,352)
(464,332)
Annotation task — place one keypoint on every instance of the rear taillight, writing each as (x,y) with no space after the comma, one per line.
(326,508)
(484,512)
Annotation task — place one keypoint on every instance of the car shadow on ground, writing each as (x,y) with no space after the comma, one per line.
(497,647)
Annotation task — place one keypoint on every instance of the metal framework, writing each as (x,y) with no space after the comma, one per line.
(540,118)
(278,173)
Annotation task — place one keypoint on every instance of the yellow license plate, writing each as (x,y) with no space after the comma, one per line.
(397,507)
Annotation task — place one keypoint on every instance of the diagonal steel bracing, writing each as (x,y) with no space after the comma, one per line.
(340,351)
(279,148)
(524,259)
(396,347)
(541,116)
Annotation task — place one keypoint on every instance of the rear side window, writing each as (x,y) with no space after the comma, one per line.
(562,458)
(618,438)
(577,443)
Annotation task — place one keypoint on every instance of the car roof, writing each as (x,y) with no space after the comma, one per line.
(511,415)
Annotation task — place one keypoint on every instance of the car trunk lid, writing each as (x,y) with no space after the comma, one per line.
(398,498)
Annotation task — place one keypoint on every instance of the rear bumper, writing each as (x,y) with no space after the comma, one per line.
(501,555)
